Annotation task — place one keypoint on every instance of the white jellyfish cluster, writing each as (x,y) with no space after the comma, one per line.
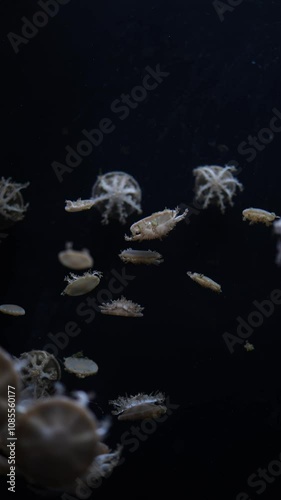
(60,439)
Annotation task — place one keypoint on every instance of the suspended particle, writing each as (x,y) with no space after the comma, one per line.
(121,307)
(75,259)
(139,407)
(79,285)
(81,366)
(205,281)
(155,226)
(12,309)
(256,215)
(249,347)
(141,257)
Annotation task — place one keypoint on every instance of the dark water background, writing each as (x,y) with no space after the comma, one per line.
(224,81)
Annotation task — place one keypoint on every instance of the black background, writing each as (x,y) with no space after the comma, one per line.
(224,80)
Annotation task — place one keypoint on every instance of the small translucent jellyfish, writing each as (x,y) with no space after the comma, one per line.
(38,371)
(57,442)
(122,307)
(141,257)
(12,309)
(157,225)
(215,185)
(139,407)
(205,281)
(256,215)
(12,207)
(249,347)
(81,366)
(75,259)
(117,195)
(79,285)
(9,380)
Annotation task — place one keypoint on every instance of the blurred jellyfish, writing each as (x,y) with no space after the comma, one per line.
(57,442)
(75,259)
(12,207)
(38,370)
(215,185)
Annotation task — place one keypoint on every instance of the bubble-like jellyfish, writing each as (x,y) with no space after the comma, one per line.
(215,185)
(12,206)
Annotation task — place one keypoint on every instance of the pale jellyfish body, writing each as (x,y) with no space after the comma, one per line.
(116,195)
(215,185)
(12,206)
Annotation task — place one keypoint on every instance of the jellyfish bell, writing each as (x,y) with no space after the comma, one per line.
(81,366)
(12,309)
(77,260)
(57,442)
(38,370)
(205,281)
(116,195)
(141,257)
(256,215)
(139,407)
(80,285)
(122,307)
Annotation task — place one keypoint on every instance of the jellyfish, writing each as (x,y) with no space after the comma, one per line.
(115,194)
(139,407)
(81,366)
(79,285)
(215,185)
(141,257)
(12,206)
(204,281)
(57,441)
(155,226)
(122,307)
(12,309)
(38,370)
(256,215)
(75,259)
